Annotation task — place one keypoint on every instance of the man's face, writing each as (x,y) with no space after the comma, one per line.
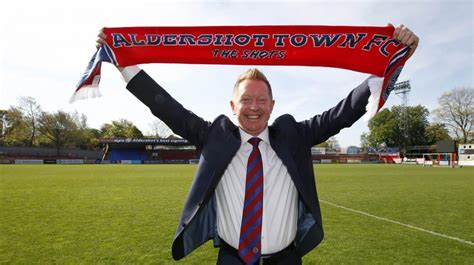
(252,105)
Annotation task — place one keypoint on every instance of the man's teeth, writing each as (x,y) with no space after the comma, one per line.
(253,116)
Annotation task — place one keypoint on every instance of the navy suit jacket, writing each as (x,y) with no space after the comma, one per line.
(218,141)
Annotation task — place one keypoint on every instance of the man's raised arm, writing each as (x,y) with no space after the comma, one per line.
(353,107)
(180,120)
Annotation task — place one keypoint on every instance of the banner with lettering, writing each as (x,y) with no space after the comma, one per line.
(366,49)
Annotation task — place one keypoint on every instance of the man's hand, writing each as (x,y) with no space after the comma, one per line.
(407,37)
(101,41)
(100,38)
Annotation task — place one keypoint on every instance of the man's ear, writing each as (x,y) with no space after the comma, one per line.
(232,106)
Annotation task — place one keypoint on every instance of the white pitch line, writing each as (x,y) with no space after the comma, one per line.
(398,223)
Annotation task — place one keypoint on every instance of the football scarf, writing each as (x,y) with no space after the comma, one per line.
(363,49)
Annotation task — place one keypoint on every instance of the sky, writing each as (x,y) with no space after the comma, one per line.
(46,45)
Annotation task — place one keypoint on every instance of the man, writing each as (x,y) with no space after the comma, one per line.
(254,191)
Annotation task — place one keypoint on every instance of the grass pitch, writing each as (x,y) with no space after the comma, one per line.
(128,214)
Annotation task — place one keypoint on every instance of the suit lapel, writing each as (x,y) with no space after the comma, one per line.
(232,144)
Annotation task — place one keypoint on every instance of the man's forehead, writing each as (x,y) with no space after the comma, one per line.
(252,86)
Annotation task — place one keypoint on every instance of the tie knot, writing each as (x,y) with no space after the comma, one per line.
(254,141)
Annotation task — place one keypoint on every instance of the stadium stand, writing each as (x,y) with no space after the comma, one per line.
(148,150)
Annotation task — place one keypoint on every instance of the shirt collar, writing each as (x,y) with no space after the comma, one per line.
(263,135)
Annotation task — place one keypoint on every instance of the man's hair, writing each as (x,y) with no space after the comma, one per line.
(252,74)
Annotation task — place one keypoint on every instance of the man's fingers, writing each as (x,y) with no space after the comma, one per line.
(396,33)
(99,42)
(402,33)
(412,41)
(102,35)
(100,38)
(406,37)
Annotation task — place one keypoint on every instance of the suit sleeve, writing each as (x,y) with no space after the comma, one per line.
(180,120)
(343,115)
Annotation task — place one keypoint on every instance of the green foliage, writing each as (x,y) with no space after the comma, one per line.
(86,138)
(27,125)
(386,127)
(120,129)
(127,214)
(436,132)
(417,121)
(16,128)
(323,144)
(60,128)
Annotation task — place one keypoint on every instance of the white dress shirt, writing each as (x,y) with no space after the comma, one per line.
(129,72)
(280,197)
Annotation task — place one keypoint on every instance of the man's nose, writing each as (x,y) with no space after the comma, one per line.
(254,105)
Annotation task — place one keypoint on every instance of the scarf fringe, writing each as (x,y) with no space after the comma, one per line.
(88,91)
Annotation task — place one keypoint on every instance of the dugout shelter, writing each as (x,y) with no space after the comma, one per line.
(148,150)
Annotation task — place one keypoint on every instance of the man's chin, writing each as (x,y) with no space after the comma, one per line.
(255,131)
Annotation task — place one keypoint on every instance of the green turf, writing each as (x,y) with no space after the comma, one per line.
(106,214)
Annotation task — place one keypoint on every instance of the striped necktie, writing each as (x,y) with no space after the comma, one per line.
(251,227)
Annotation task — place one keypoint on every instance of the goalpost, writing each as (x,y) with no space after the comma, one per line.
(438,159)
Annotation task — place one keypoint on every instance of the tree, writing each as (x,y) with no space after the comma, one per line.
(436,132)
(330,143)
(31,112)
(3,125)
(120,129)
(14,128)
(456,110)
(27,125)
(417,123)
(60,128)
(159,129)
(365,142)
(323,144)
(385,128)
(86,138)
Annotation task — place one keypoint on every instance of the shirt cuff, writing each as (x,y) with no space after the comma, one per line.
(130,72)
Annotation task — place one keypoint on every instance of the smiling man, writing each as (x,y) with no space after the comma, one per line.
(252,101)
(254,192)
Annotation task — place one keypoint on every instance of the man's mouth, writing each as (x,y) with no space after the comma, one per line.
(252,117)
